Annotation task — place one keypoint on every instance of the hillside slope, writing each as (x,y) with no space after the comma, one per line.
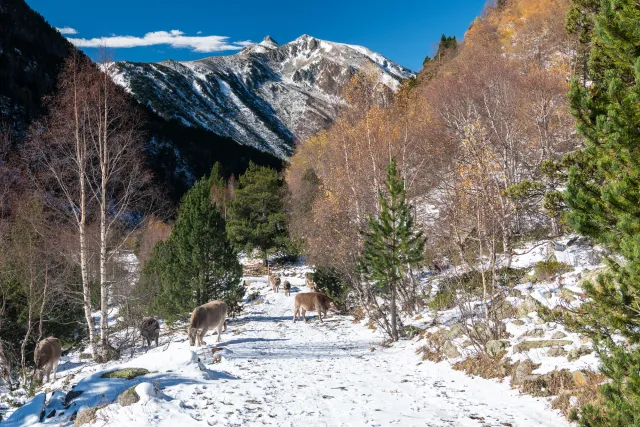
(32,54)
(266,96)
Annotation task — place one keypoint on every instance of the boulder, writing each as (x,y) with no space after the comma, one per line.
(128,397)
(495,347)
(534,333)
(525,346)
(521,371)
(518,322)
(580,378)
(527,306)
(126,373)
(450,350)
(577,353)
(456,331)
(85,417)
(558,335)
(556,352)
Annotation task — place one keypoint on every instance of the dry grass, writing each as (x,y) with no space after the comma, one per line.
(432,350)
(358,314)
(586,391)
(551,384)
(484,366)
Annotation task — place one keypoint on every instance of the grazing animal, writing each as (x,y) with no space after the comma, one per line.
(275,285)
(212,315)
(287,288)
(149,330)
(47,356)
(310,283)
(312,301)
(308,279)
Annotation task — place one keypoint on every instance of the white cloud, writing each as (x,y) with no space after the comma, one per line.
(173,38)
(67,30)
(199,32)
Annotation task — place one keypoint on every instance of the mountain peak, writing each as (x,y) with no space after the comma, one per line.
(269,39)
(269,42)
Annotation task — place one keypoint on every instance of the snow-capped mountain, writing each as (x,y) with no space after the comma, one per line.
(267,96)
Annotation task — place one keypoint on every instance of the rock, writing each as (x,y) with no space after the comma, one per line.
(85,417)
(527,306)
(558,335)
(481,332)
(128,397)
(456,331)
(522,370)
(525,346)
(585,340)
(68,398)
(556,352)
(534,333)
(580,378)
(110,354)
(467,343)
(126,374)
(495,347)
(450,350)
(577,353)
(518,322)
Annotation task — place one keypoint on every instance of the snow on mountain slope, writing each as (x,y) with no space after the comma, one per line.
(267,96)
(273,371)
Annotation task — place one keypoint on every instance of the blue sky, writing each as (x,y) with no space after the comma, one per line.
(403,32)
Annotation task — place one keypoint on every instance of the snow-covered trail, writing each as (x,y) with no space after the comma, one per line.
(325,374)
(277,372)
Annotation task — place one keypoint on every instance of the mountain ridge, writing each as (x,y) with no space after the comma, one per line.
(267,96)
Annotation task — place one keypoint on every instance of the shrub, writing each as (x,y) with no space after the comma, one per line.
(484,366)
(234,298)
(332,285)
(442,300)
(549,269)
(432,350)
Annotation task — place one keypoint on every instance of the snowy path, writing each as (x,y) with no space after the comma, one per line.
(276,372)
(325,374)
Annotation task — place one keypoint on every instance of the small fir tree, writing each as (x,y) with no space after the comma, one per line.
(256,216)
(391,245)
(197,264)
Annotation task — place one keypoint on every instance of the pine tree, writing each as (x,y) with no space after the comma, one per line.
(603,198)
(391,245)
(256,215)
(197,264)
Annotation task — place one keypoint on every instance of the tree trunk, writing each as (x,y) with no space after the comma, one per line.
(81,159)
(506,244)
(104,283)
(23,347)
(86,290)
(394,326)
(104,180)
